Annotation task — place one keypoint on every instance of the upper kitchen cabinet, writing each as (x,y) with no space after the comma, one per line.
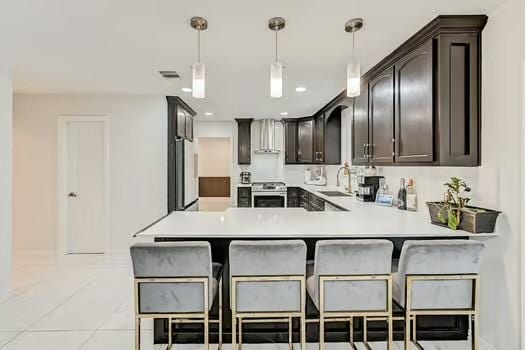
(421,104)
(244,140)
(180,119)
(305,140)
(317,139)
(360,131)
(381,117)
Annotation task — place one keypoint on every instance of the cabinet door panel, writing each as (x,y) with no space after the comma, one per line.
(189,127)
(319,157)
(290,131)
(360,130)
(181,123)
(244,141)
(305,141)
(414,111)
(382,117)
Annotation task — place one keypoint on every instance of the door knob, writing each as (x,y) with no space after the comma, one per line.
(72,195)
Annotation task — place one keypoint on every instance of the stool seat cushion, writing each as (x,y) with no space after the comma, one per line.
(177,297)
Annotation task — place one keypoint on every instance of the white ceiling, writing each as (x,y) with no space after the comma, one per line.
(117,47)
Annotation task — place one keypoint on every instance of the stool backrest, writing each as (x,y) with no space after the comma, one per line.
(353,258)
(440,257)
(267,258)
(172,260)
(263,262)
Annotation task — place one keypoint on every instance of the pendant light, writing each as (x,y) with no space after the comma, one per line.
(199,68)
(276,68)
(353,70)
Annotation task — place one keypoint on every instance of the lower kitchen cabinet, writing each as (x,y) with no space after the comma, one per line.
(292,197)
(244,197)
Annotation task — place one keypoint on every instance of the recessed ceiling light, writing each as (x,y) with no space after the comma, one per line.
(169,74)
(284,113)
(186,89)
(300,89)
(208,114)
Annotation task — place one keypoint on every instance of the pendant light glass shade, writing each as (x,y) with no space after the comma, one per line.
(199,78)
(353,79)
(276,80)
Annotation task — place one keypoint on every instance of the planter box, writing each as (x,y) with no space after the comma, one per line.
(471,219)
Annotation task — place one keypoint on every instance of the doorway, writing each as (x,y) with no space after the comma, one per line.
(83,184)
(214,171)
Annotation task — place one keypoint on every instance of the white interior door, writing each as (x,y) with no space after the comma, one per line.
(85,191)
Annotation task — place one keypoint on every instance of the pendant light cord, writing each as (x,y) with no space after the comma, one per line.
(276,48)
(353,47)
(198,46)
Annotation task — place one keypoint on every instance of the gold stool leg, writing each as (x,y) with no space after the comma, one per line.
(137,333)
(234,331)
(351,333)
(407,330)
(220,314)
(365,333)
(321,331)
(240,333)
(170,333)
(206,331)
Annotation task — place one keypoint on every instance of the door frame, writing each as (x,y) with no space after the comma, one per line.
(62,143)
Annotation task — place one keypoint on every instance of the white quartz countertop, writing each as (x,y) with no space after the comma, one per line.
(362,220)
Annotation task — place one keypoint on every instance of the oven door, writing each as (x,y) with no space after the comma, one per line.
(269,200)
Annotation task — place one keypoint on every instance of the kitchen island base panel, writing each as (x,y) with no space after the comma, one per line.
(428,327)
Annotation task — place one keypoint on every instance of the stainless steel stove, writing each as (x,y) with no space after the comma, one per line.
(269,195)
(269,187)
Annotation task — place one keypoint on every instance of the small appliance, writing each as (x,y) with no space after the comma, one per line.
(246,177)
(368,187)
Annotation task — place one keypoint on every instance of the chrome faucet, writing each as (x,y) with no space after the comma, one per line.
(348,187)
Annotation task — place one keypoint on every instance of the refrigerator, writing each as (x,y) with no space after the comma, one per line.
(186,177)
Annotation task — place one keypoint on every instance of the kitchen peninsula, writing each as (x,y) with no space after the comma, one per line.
(360,220)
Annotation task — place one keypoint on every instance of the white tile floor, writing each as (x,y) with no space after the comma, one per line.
(85,302)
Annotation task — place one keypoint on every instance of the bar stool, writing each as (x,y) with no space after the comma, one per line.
(439,277)
(351,278)
(267,284)
(177,281)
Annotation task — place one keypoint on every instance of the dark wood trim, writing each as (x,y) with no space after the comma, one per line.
(180,101)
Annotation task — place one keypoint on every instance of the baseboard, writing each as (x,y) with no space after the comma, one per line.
(484,345)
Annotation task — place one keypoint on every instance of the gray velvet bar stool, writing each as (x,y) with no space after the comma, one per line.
(439,277)
(351,278)
(177,281)
(267,284)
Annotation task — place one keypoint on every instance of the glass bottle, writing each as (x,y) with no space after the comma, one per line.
(411,196)
(402,196)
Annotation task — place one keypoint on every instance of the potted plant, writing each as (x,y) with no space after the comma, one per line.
(454,212)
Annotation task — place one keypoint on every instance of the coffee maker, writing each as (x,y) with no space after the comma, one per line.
(246,177)
(367,188)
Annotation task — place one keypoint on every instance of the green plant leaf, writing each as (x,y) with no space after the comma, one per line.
(453,221)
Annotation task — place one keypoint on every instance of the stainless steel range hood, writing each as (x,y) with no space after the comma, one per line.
(267,136)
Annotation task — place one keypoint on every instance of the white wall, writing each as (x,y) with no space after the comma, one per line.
(214,156)
(137,164)
(6,184)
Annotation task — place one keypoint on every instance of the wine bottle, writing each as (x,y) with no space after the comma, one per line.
(402,196)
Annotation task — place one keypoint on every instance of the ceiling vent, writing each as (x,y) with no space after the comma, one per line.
(169,74)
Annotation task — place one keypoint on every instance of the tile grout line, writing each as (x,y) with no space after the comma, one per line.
(47,313)
(101,324)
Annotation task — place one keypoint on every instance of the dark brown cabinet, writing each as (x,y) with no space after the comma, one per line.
(414,106)
(360,130)
(290,137)
(305,141)
(180,128)
(421,104)
(244,140)
(244,197)
(292,198)
(319,140)
(381,148)
(180,119)
(314,140)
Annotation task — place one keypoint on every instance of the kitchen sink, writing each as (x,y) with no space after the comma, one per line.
(334,193)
